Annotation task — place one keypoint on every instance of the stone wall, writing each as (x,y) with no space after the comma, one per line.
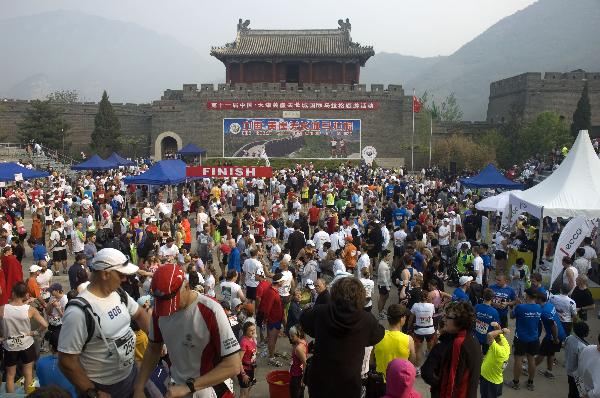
(136,120)
(533,93)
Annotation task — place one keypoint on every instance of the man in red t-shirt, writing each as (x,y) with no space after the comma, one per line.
(271,309)
(263,284)
(313,216)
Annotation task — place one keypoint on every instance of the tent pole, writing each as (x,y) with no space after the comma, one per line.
(539,242)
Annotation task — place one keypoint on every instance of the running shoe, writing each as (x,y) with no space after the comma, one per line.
(530,386)
(515,385)
(546,373)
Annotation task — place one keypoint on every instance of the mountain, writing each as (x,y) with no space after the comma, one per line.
(385,68)
(73,50)
(547,36)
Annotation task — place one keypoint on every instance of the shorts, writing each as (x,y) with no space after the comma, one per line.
(251,382)
(525,348)
(12,358)
(424,337)
(489,389)
(304,200)
(383,290)
(549,348)
(276,325)
(251,293)
(59,255)
(500,255)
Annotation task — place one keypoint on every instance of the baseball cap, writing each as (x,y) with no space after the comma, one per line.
(55,286)
(166,289)
(464,279)
(110,259)
(310,243)
(35,268)
(235,302)
(260,272)
(310,284)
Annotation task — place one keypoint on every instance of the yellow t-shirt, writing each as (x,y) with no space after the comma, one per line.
(304,192)
(493,362)
(393,345)
(141,342)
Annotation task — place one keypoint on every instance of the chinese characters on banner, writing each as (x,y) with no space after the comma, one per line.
(293,105)
(293,127)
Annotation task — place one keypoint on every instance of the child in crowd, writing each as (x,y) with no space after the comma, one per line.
(299,357)
(248,353)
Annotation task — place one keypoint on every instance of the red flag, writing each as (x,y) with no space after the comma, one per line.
(416,105)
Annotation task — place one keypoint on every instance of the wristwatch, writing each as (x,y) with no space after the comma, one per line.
(91,393)
(190,383)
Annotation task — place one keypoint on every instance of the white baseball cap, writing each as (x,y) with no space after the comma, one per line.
(110,259)
(464,280)
(35,268)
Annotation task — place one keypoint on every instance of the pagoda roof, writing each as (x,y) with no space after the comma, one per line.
(326,43)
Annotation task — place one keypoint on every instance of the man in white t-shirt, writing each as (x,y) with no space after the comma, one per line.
(320,237)
(58,245)
(168,250)
(202,347)
(565,307)
(478,266)
(230,289)
(250,268)
(444,234)
(103,363)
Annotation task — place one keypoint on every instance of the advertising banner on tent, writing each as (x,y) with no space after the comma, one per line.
(228,171)
(520,206)
(291,137)
(571,237)
(485,229)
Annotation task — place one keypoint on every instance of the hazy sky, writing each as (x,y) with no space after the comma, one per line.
(410,27)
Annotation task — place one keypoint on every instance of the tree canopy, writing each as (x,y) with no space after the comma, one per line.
(107,129)
(582,117)
(44,123)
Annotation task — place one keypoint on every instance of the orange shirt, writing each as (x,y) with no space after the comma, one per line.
(33,288)
(188,230)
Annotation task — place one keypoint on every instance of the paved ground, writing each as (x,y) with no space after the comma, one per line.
(544,387)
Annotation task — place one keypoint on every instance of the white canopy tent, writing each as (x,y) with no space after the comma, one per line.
(494,203)
(572,190)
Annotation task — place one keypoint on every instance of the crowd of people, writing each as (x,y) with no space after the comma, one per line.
(374,278)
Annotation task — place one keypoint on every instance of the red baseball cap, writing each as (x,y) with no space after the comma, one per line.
(166,288)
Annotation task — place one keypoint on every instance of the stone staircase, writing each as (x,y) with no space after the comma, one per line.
(48,160)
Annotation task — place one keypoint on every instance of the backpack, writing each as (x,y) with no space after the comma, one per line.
(89,313)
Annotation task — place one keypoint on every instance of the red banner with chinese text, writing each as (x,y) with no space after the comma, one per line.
(293,105)
(228,171)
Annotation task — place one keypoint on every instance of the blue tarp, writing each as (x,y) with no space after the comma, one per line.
(121,161)
(191,150)
(490,177)
(95,163)
(165,172)
(8,171)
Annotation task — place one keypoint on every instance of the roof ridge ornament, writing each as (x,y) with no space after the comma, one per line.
(243,26)
(345,26)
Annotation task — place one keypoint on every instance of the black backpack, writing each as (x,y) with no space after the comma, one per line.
(89,313)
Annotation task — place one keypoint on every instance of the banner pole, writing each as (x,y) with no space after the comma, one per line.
(537,256)
(412,139)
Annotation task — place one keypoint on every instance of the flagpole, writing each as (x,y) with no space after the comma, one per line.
(412,139)
(430,136)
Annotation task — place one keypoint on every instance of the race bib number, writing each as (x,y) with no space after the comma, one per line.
(125,349)
(16,343)
(481,327)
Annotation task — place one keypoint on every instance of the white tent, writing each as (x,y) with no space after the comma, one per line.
(572,190)
(494,203)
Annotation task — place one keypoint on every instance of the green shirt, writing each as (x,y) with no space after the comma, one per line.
(493,362)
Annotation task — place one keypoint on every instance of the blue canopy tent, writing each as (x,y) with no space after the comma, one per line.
(121,161)
(490,177)
(95,163)
(191,150)
(8,172)
(165,172)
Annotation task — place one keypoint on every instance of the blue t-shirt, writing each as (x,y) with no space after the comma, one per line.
(550,316)
(411,224)
(528,319)
(39,252)
(399,215)
(418,260)
(487,261)
(503,295)
(48,373)
(389,191)
(460,295)
(485,315)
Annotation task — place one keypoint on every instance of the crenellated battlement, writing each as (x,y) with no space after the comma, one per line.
(288,90)
(546,81)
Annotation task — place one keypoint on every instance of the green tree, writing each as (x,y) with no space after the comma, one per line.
(63,96)
(546,132)
(582,117)
(43,123)
(450,110)
(107,129)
